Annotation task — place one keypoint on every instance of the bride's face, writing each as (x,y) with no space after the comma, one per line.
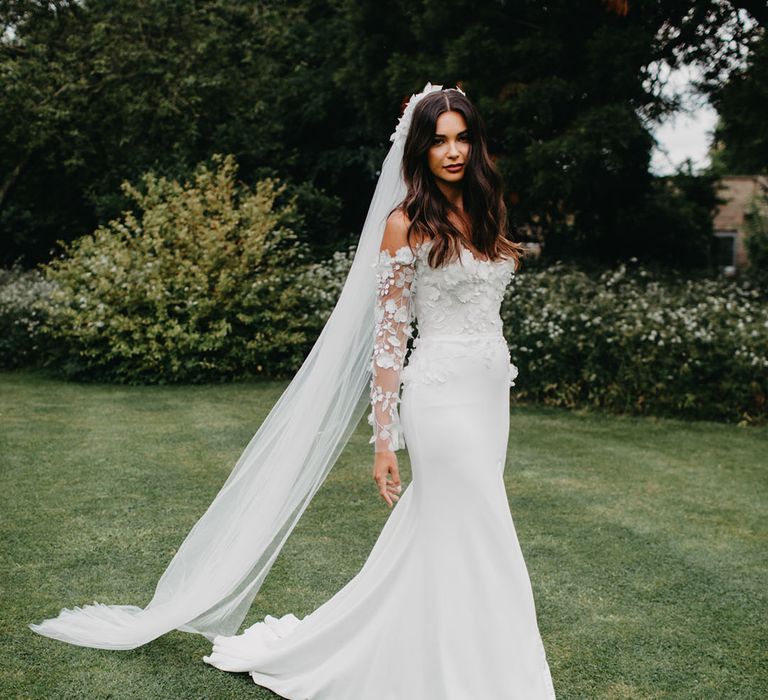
(449,152)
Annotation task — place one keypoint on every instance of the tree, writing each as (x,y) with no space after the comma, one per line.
(569,93)
(742,103)
(309,91)
(95,93)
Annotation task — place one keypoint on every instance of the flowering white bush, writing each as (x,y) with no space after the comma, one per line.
(21,315)
(627,341)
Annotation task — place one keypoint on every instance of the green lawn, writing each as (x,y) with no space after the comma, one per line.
(645,539)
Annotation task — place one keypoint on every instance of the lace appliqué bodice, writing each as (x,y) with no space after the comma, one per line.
(462,297)
(460,300)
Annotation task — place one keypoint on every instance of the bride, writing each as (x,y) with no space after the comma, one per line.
(443,608)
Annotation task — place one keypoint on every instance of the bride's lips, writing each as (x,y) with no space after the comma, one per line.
(454,168)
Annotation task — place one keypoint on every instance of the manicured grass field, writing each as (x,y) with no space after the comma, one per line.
(646,540)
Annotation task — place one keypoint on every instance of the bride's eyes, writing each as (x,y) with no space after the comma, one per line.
(439,139)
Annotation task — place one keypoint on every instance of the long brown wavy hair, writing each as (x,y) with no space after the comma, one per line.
(427,208)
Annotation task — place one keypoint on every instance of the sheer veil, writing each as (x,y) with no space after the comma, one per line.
(215,574)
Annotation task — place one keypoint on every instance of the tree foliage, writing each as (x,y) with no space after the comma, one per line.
(97,92)
(742,105)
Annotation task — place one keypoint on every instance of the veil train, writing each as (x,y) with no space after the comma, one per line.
(212,579)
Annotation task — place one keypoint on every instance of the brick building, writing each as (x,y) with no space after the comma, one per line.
(729,222)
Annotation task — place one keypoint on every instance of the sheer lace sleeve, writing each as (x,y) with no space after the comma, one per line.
(392,328)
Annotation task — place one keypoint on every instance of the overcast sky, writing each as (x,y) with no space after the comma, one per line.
(688,134)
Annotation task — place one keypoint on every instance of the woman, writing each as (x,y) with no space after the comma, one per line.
(443,607)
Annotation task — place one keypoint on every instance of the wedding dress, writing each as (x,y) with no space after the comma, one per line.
(443,608)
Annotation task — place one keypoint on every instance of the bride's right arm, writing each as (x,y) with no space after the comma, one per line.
(394,272)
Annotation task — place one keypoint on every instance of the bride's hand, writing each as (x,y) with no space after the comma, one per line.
(386,463)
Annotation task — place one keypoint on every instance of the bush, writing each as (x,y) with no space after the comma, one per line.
(756,242)
(22,315)
(206,282)
(632,342)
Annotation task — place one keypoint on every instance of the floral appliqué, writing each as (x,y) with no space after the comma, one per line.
(392,328)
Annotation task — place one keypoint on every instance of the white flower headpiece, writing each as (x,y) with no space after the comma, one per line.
(404,123)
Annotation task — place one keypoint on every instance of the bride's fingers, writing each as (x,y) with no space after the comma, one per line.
(388,490)
(382,483)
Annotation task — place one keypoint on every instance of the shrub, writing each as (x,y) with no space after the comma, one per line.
(756,242)
(21,315)
(631,342)
(206,282)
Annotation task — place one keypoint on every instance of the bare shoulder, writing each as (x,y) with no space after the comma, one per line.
(399,218)
(396,232)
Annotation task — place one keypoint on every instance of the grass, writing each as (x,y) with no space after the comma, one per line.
(646,539)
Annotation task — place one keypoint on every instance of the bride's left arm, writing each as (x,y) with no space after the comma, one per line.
(395,272)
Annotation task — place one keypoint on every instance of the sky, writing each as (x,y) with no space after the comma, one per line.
(686,134)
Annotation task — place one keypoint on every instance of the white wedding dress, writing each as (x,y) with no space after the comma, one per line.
(443,608)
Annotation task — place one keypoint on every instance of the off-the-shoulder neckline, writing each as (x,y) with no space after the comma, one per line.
(471,253)
(427,243)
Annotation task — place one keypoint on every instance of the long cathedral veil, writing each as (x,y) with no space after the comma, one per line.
(215,574)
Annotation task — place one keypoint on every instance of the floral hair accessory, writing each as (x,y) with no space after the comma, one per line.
(404,123)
